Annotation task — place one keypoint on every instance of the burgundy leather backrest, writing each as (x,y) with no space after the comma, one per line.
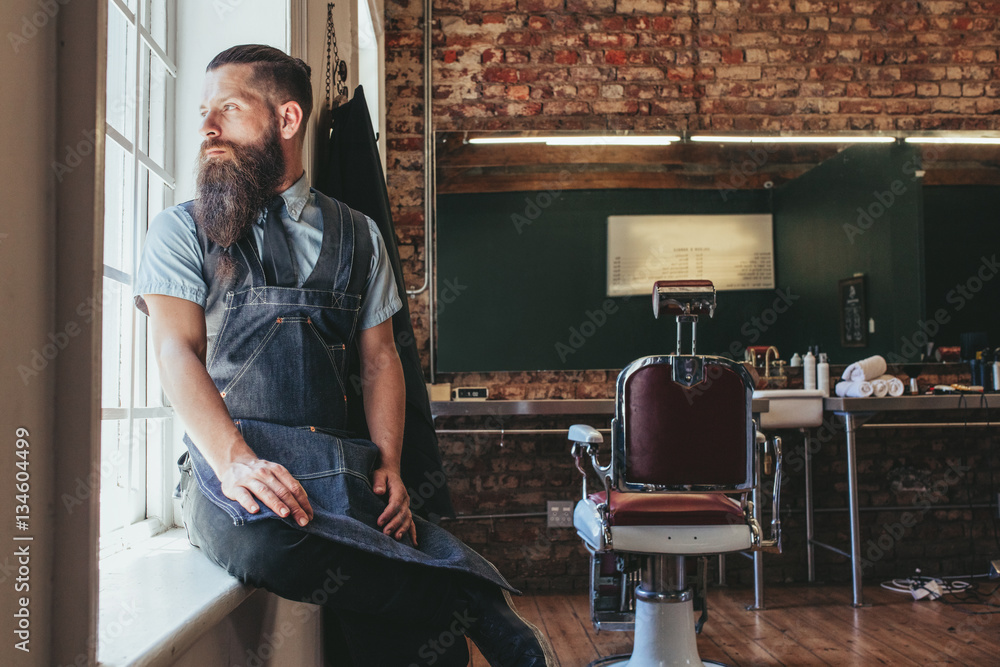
(678,435)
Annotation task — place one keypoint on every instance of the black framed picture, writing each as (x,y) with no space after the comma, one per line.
(853,319)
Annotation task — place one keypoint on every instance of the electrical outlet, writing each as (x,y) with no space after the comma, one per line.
(559,513)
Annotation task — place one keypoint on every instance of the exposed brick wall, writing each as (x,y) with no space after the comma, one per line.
(680,65)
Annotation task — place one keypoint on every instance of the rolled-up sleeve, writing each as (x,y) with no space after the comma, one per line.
(171,261)
(381,299)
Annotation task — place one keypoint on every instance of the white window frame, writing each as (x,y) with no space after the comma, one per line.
(137,474)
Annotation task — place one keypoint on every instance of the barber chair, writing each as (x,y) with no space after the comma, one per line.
(684,474)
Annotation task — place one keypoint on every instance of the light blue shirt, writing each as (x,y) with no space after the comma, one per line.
(172,258)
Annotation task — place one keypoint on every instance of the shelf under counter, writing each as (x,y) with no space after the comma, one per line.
(541,407)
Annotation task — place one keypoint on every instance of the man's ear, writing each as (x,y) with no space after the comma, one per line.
(290,116)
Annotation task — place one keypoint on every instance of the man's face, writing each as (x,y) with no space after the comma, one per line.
(233,111)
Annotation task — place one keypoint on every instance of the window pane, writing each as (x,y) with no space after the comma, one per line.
(114,460)
(116,344)
(122,495)
(156,23)
(157,199)
(119,205)
(121,73)
(156,106)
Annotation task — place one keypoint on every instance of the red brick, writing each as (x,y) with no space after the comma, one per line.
(566,108)
(590,6)
(613,23)
(395,40)
(565,57)
(627,107)
(532,74)
(539,23)
(492,5)
(732,56)
(517,56)
(661,108)
(492,56)
(640,6)
(639,73)
(518,92)
(860,106)
(564,91)
(663,23)
(500,74)
(539,5)
(614,57)
(680,73)
(542,92)
(518,39)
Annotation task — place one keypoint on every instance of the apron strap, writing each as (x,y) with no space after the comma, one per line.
(348,246)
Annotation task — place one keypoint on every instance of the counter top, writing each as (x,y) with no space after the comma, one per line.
(566,406)
(921,402)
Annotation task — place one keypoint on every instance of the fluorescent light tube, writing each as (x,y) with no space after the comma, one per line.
(582,140)
(801,139)
(987,141)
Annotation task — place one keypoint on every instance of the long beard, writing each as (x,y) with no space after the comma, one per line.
(233,190)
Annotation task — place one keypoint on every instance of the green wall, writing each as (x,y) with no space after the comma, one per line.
(521,280)
(962,237)
(858,212)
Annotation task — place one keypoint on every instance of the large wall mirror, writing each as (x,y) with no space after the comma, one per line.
(522,247)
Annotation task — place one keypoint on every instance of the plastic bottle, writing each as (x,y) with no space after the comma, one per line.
(809,371)
(823,374)
(796,360)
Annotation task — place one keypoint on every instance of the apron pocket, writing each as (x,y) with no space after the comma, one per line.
(331,469)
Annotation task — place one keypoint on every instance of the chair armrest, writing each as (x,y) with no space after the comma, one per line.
(583,433)
(586,442)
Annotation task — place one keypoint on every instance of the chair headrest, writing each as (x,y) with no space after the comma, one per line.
(683,297)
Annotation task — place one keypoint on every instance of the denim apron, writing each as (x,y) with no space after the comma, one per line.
(277,355)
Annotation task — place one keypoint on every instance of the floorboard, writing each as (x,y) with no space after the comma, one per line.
(801,626)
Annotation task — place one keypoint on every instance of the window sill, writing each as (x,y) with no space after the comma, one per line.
(157,600)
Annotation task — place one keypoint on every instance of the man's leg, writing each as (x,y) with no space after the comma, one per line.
(390,610)
(420,602)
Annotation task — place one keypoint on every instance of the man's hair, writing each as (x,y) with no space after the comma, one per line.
(278,76)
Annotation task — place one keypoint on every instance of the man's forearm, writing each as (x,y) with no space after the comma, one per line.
(194,396)
(385,404)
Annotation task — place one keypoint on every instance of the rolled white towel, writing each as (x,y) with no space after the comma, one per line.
(880,387)
(865,370)
(854,389)
(894,384)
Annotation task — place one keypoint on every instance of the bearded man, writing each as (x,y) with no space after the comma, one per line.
(255,292)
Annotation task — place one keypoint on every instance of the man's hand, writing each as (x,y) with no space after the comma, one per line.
(271,483)
(396,520)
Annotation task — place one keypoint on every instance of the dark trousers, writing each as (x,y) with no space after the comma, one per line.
(393,614)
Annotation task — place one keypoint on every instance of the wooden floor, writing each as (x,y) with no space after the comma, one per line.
(802,625)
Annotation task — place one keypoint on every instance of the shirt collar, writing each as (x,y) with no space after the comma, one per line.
(296,197)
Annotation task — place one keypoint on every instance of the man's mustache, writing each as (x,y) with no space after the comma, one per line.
(213,143)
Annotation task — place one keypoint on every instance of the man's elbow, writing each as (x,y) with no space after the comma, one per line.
(173,352)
